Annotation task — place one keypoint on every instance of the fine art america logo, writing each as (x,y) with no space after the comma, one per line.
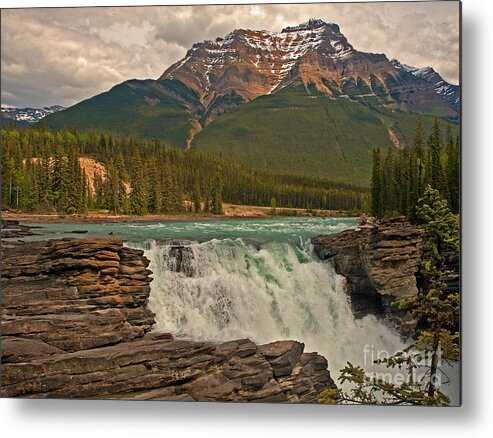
(415,369)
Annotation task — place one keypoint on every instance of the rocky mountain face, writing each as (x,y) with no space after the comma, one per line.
(75,323)
(449,92)
(247,64)
(30,115)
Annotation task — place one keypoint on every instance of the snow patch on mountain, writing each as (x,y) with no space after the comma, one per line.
(274,52)
(30,115)
(449,91)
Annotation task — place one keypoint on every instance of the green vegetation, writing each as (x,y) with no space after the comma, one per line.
(273,206)
(139,108)
(400,177)
(437,311)
(285,212)
(293,132)
(41,173)
(5,122)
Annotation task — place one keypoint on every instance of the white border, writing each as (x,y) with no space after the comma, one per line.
(51,418)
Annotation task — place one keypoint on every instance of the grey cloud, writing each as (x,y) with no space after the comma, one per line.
(66,55)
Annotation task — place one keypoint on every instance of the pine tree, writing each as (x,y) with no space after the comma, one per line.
(86,194)
(8,175)
(453,172)
(177,193)
(419,156)
(138,195)
(207,198)
(436,176)
(74,179)
(111,188)
(401,180)
(167,189)
(59,182)
(196,194)
(44,182)
(388,181)
(376,185)
(216,194)
(435,306)
(31,187)
(154,184)
(98,198)
(412,186)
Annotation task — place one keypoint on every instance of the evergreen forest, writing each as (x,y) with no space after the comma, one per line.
(42,172)
(400,176)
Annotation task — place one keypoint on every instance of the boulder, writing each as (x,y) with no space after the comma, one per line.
(283,356)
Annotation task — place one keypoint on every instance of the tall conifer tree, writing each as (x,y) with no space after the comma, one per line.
(376,184)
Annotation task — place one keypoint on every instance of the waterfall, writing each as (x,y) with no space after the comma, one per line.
(230,289)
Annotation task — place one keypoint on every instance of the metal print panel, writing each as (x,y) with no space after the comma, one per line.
(236,203)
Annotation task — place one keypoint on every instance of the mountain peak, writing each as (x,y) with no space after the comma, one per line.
(312,23)
(416,71)
(401,66)
(246,64)
(449,92)
(267,60)
(28,114)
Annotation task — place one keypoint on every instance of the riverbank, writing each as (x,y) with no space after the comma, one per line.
(231,211)
(76,324)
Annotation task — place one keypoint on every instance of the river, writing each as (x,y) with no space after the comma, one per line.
(250,278)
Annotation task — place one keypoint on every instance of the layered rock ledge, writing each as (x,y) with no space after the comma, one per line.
(380,264)
(75,323)
(12,228)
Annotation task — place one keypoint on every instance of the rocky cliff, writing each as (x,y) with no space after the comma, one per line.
(380,264)
(75,323)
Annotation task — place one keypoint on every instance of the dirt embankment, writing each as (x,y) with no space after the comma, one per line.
(230,211)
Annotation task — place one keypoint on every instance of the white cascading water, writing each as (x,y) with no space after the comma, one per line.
(228,289)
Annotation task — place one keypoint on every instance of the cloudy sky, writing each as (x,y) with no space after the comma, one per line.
(61,56)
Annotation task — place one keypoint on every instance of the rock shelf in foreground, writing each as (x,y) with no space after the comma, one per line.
(75,323)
